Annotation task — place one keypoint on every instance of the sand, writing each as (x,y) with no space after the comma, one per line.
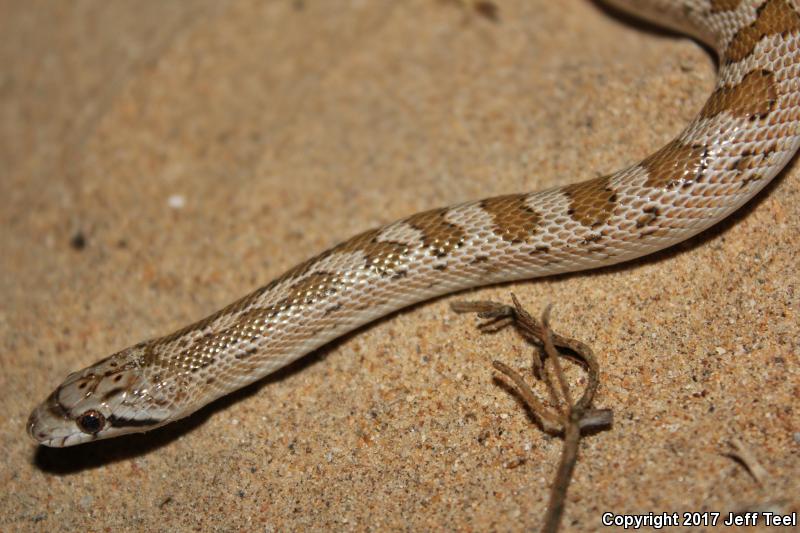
(159,160)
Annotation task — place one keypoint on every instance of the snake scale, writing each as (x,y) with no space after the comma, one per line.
(742,137)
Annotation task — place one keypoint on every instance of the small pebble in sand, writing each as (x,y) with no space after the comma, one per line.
(176,201)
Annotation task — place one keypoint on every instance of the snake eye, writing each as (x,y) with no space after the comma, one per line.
(91,422)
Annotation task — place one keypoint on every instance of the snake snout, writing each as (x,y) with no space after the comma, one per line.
(38,426)
(33,426)
(50,421)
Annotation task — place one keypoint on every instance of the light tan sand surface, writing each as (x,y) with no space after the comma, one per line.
(160,159)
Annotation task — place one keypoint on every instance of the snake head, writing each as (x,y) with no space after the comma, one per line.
(107,399)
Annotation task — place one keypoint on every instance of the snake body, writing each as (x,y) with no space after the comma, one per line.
(742,137)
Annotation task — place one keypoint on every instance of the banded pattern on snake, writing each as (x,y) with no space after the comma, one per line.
(742,137)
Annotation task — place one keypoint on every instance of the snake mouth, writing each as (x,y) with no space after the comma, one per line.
(38,429)
(32,425)
(50,423)
(46,431)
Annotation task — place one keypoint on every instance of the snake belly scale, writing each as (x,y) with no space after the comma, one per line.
(742,137)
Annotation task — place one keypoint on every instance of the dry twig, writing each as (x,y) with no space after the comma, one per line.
(565,417)
(746,457)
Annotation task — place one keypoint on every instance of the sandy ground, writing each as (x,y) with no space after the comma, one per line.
(158,160)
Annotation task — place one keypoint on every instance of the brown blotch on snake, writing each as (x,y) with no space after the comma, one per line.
(387,258)
(773,17)
(439,236)
(675,164)
(591,202)
(316,286)
(514,221)
(152,349)
(720,6)
(753,98)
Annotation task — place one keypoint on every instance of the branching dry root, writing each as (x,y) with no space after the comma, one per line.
(566,417)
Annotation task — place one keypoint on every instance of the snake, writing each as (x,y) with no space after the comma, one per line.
(742,137)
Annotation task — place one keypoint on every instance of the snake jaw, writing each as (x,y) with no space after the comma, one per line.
(107,399)
(51,424)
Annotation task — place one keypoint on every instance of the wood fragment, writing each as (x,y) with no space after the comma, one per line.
(742,453)
(565,417)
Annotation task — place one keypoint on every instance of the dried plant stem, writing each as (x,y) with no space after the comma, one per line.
(566,417)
